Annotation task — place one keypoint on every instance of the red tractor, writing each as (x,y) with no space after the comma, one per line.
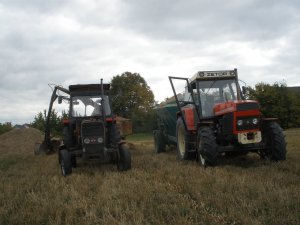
(212,117)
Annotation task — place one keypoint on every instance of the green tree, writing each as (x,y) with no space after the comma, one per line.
(5,127)
(277,101)
(39,122)
(132,98)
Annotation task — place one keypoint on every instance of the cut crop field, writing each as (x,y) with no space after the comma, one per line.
(158,189)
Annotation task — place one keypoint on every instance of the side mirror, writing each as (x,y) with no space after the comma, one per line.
(60,98)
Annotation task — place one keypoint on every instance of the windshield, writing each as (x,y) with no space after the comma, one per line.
(83,106)
(216,91)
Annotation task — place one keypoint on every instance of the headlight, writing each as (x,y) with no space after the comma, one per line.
(100,139)
(240,122)
(86,140)
(255,121)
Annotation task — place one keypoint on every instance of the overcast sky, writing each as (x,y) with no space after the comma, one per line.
(80,41)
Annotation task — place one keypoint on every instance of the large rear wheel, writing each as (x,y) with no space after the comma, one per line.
(274,141)
(182,141)
(207,147)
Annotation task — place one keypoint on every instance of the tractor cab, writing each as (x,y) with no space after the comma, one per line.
(87,101)
(90,106)
(213,88)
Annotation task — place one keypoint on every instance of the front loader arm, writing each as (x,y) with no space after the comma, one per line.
(47,142)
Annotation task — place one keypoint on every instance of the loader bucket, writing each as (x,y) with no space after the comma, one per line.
(46,148)
(40,148)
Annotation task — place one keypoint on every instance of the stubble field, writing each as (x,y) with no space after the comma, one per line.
(158,189)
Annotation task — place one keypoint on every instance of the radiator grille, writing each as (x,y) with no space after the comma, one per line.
(92,129)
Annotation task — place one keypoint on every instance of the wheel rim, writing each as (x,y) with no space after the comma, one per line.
(202,160)
(181,141)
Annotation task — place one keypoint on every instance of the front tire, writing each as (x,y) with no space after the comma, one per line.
(274,140)
(207,147)
(124,161)
(65,162)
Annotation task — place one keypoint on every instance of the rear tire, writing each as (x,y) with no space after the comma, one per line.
(274,140)
(182,140)
(65,162)
(73,161)
(207,147)
(124,161)
(159,142)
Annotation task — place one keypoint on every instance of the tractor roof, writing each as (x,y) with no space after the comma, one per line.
(88,89)
(214,75)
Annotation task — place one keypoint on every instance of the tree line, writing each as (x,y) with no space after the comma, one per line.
(278,101)
(5,127)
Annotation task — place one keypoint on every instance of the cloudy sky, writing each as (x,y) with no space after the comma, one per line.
(80,41)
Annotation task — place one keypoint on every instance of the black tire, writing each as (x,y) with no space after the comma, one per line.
(73,161)
(181,140)
(124,161)
(159,142)
(274,141)
(66,136)
(65,162)
(207,147)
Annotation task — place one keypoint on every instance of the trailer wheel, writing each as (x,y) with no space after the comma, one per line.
(124,161)
(65,162)
(159,142)
(274,140)
(207,147)
(181,139)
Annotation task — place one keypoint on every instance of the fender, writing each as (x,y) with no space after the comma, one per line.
(190,117)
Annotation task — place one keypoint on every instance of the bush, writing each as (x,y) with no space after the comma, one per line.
(5,127)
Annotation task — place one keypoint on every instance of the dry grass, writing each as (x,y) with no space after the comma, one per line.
(158,190)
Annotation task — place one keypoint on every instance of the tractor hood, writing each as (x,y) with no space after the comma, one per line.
(234,106)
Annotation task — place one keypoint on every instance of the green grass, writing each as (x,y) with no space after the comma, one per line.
(140,137)
(9,160)
(157,190)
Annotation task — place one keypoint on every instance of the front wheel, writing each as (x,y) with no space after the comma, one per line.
(207,147)
(124,161)
(65,162)
(274,141)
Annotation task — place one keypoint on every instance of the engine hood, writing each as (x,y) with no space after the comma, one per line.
(234,106)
